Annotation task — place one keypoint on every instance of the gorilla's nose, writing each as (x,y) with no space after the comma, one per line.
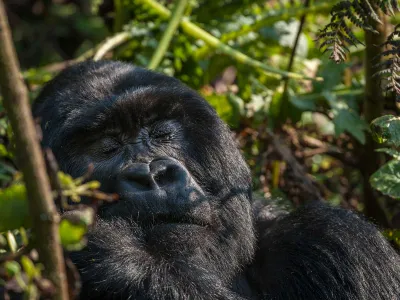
(161,173)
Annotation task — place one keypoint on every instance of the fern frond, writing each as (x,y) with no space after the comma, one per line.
(389,68)
(389,7)
(337,36)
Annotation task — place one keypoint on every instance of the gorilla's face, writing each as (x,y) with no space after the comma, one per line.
(184,189)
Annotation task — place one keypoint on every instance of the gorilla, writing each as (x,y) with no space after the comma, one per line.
(185,225)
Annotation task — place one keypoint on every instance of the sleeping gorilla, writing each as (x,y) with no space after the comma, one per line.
(185,226)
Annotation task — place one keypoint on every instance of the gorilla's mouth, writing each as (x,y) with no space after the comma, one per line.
(198,217)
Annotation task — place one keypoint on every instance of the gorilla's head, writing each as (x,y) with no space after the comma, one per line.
(184,207)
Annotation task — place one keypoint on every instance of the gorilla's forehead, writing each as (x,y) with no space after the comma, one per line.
(93,95)
(137,107)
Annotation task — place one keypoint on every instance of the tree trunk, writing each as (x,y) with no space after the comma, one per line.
(373,108)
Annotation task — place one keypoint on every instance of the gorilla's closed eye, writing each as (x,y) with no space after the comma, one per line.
(164,130)
(109,145)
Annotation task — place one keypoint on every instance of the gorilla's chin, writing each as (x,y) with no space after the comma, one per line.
(165,231)
(171,239)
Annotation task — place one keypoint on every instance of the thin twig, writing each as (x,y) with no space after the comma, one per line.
(52,170)
(296,42)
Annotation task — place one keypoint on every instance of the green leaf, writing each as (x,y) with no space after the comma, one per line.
(305,104)
(12,267)
(12,242)
(350,121)
(66,180)
(71,234)
(74,226)
(386,129)
(29,267)
(3,151)
(345,118)
(332,74)
(14,212)
(387,179)
(226,108)
(393,153)
(392,235)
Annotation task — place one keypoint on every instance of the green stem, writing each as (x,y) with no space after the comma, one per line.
(198,33)
(337,92)
(173,24)
(119,15)
(269,19)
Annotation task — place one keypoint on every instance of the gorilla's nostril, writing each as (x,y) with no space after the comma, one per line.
(168,172)
(166,176)
(138,176)
(160,178)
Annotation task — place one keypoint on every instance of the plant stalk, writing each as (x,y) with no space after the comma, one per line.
(45,218)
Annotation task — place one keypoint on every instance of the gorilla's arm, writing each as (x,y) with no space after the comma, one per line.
(320,252)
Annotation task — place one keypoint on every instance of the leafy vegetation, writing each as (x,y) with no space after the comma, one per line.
(338,35)
(300,118)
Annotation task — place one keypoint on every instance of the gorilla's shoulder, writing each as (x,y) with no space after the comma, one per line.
(325,251)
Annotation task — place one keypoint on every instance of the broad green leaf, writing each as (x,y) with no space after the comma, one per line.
(387,179)
(332,74)
(14,212)
(393,153)
(345,118)
(386,129)
(350,121)
(305,104)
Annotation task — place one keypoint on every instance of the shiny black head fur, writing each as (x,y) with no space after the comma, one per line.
(184,187)
(185,226)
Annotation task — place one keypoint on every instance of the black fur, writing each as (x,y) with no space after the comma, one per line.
(195,234)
